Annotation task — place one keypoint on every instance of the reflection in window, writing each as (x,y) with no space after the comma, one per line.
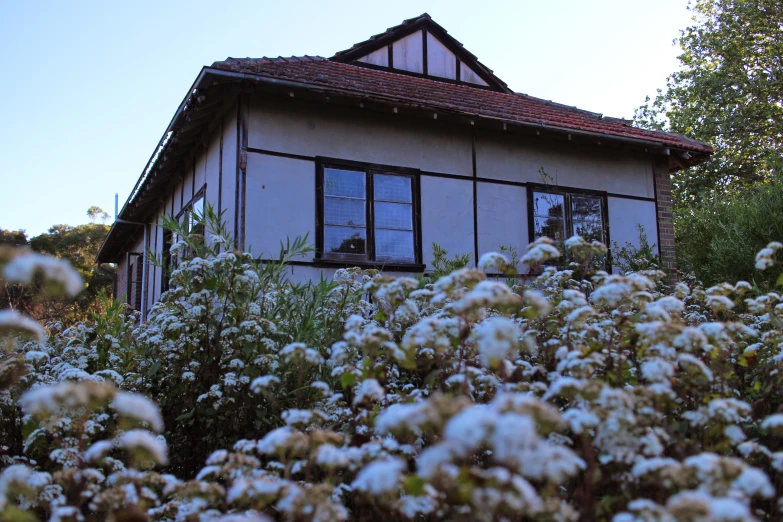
(368,215)
(549,216)
(562,215)
(393,218)
(192,218)
(345,209)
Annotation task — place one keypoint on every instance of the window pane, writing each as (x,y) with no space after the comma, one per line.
(586,215)
(393,244)
(341,211)
(589,230)
(345,240)
(347,183)
(548,205)
(392,188)
(553,228)
(196,209)
(585,208)
(393,215)
(198,205)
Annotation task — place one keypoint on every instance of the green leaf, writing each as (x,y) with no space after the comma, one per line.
(12,513)
(185,416)
(347,379)
(414,485)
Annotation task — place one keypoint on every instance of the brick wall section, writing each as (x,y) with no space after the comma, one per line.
(663,197)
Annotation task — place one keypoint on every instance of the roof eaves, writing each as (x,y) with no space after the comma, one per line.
(152,163)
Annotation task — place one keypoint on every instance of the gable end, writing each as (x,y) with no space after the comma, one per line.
(420,47)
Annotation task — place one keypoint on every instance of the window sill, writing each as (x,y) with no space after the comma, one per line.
(385,267)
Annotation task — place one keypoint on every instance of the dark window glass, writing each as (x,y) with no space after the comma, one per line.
(168,261)
(345,240)
(562,215)
(587,217)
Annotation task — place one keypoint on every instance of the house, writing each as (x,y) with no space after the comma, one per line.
(402,140)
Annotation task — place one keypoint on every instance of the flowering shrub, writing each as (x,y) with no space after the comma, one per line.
(580,396)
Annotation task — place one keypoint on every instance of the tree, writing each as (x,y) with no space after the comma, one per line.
(729,93)
(14,238)
(78,245)
(95,213)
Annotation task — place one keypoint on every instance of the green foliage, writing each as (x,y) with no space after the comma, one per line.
(718,240)
(233,314)
(78,245)
(14,238)
(634,258)
(511,252)
(608,398)
(443,265)
(729,93)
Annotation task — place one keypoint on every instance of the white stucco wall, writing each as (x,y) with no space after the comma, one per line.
(280,203)
(229,166)
(311,130)
(440,61)
(212,169)
(502,217)
(520,159)
(408,54)
(379,57)
(281,193)
(446,216)
(625,215)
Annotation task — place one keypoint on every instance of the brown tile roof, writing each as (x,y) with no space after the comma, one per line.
(443,96)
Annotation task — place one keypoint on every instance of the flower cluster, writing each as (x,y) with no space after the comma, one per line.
(580,395)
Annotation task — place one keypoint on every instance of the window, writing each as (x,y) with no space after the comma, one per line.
(135,265)
(168,260)
(367,215)
(194,208)
(562,214)
(186,216)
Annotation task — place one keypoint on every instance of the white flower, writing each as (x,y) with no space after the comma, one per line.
(540,251)
(368,389)
(153,445)
(496,338)
(97,451)
(493,263)
(138,407)
(13,321)
(294,416)
(765,258)
(265,381)
(657,370)
(379,477)
(773,422)
(22,269)
(580,314)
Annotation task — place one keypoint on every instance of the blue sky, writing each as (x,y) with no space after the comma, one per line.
(89,86)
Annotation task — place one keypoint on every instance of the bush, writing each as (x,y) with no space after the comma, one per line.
(579,397)
(718,239)
(636,257)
